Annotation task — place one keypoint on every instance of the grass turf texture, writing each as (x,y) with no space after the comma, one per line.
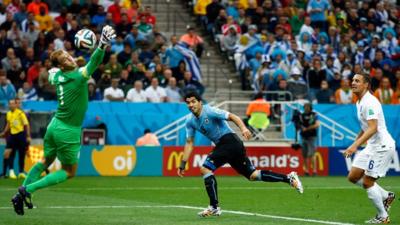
(88,200)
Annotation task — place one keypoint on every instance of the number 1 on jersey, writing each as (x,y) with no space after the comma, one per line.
(61,94)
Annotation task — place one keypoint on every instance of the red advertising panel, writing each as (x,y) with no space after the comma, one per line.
(277,159)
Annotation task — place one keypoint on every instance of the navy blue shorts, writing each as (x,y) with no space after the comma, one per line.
(230,149)
(17,141)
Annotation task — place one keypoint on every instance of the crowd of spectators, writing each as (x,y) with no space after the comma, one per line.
(312,48)
(141,65)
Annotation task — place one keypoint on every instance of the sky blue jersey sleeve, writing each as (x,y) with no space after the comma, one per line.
(218,113)
(189,129)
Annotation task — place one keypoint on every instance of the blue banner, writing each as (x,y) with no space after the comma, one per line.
(108,160)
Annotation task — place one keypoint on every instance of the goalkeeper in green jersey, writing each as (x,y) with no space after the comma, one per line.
(63,135)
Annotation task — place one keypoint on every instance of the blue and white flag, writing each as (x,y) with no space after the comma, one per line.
(191,60)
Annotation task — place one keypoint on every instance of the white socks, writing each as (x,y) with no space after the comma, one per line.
(374,194)
(384,193)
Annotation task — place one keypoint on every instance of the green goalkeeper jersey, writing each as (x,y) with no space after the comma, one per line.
(72,90)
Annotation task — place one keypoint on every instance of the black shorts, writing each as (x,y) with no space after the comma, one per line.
(17,141)
(230,149)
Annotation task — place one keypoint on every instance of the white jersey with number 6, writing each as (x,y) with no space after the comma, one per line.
(370,108)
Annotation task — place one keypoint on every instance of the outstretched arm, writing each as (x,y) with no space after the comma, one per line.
(245,132)
(107,34)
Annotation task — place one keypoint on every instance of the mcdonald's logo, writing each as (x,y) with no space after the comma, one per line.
(319,161)
(177,158)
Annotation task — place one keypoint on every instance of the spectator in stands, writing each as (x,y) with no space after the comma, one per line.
(194,41)
(59,41)
(191,84)
(315,76)
(167,75)
(5,43)
(135,38)
(259,104)
(124,27)
(16,74)
(33,72)
(27,93)
(148,17)
(8,91)
(172,91)
(296,84)
(212,11)
(94,92)
(125,81)
(31,34)
(46,91)
(385,93)
(15,35)
(44,20)
(114,66)
(113,93)
(6,62)
(99,18)
(145,28)
(376,79)
(325,94)
(136,94)
(174,57)
(117,46)
(147,55)
(74,7)
(105,80)
(6,25)
(148,139)
(14,7)
(229,40)
(22,14)
(115,10)
(317,10)
(344,95)
(35,6)
(154,93)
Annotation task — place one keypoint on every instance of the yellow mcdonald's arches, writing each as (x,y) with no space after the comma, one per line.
(177,158)
(114,160)
(319,161)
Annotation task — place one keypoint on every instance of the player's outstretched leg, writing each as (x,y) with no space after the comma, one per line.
(268,176)
(295,182)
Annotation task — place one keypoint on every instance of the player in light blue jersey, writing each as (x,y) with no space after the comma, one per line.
(212,123)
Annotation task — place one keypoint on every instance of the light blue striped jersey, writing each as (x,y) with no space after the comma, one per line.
(212,123)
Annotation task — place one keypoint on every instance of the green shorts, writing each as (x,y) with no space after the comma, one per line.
(62,141)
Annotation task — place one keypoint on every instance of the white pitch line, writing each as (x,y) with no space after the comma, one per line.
(192,207)
(195,188)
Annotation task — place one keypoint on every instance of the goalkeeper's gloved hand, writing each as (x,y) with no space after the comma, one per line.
(107,34)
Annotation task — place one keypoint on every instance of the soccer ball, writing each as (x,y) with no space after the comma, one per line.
(85,39)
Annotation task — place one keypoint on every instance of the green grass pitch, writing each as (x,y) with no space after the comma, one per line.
(164,200)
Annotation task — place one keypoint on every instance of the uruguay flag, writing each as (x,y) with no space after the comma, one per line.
(191,60)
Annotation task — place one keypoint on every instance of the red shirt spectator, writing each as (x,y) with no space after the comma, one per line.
(115,10)
(33,72)
(35,7)
(150,19)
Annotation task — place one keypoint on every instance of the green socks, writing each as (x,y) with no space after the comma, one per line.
(34,174)
(49,180)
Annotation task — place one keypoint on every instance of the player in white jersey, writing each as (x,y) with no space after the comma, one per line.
(373,161)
